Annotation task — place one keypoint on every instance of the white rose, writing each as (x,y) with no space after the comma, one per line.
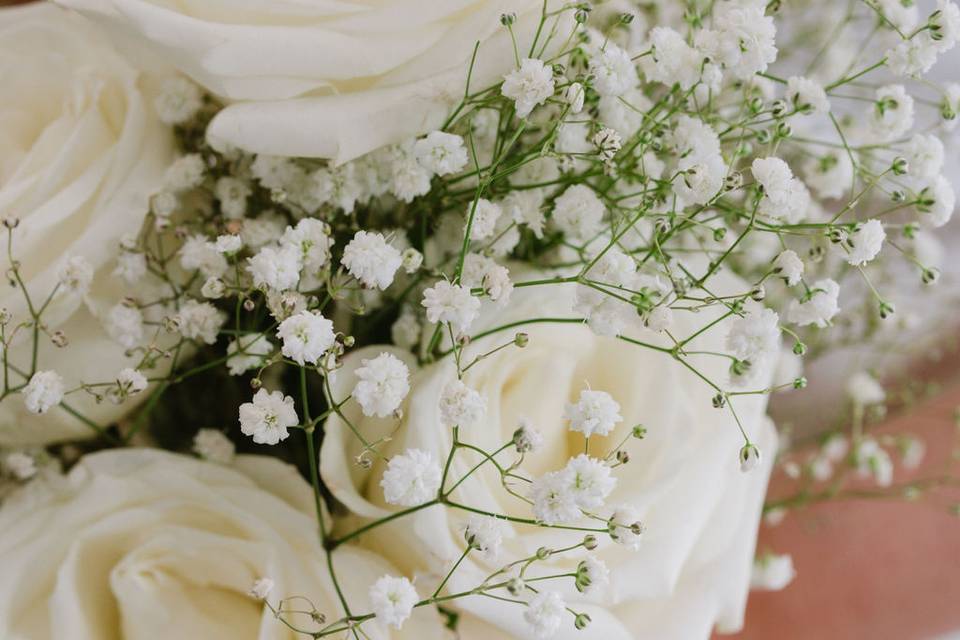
(692,570)
(80,152)
(144,544)
(331,80)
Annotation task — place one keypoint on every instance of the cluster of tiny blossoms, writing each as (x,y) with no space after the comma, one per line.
(636,164)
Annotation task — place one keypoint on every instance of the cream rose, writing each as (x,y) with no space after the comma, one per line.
(692,570)
(331,80)
(80,152)
(144,544)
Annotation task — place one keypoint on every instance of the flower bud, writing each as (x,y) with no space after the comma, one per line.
(590,542)
(749,457)
(581,621)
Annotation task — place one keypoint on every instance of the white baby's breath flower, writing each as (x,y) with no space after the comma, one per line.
(806,95)
(772,572)
(44,391)
(461,406)
(311,240)
(863,389)
(268,417)
(553,499)
(412,260)
(131,266)
(485,534)
(75,275)
(784,196)
(613,71)
(178,101)
(485,216)
(131,381)
(411,478)
(593,576)
(453,303)
(590,480)
(383,383)
(405,331)
(306,336)
(276,268)
(198,253)
(371,259)
(891,115)
(212,445)
(755,336)
(873,461)
(247,352)
(228,243)
(261,588)
(200,321)
(544,613)
(232,194)
(789,266)
(185,173)
(527,439)
(819,307)
(213,289)
(625,527)
(866,243)
(441,153)
(528,86)
(124,325)
(596,412)
(20,465)
(392,600)
(578,212)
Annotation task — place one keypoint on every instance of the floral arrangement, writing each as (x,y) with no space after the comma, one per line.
(403,321)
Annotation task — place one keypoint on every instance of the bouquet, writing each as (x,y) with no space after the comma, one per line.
(445,320)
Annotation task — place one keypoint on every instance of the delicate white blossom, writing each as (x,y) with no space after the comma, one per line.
(596,412)
(382,384)
(306,336)
(392,600)
(268,417)
(44,391)
(371,259)
(411,478)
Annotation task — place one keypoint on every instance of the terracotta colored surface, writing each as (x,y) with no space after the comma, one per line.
(877,569)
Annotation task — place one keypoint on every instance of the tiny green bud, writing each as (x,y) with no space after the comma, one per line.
(719,401)
(758,293)
(623,457)
(507,19)
(900,166)
(543,553)
(886,309)
(348,341)
(800,383)
(590,542)
(581,621)
(719,233)
(639,432)
(930,275)
(799,348)
(521,339)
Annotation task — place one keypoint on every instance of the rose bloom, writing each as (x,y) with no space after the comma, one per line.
(691,572)
(80,153)
(144,544)
(332,80)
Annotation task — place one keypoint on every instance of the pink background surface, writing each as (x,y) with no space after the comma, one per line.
(877,569)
